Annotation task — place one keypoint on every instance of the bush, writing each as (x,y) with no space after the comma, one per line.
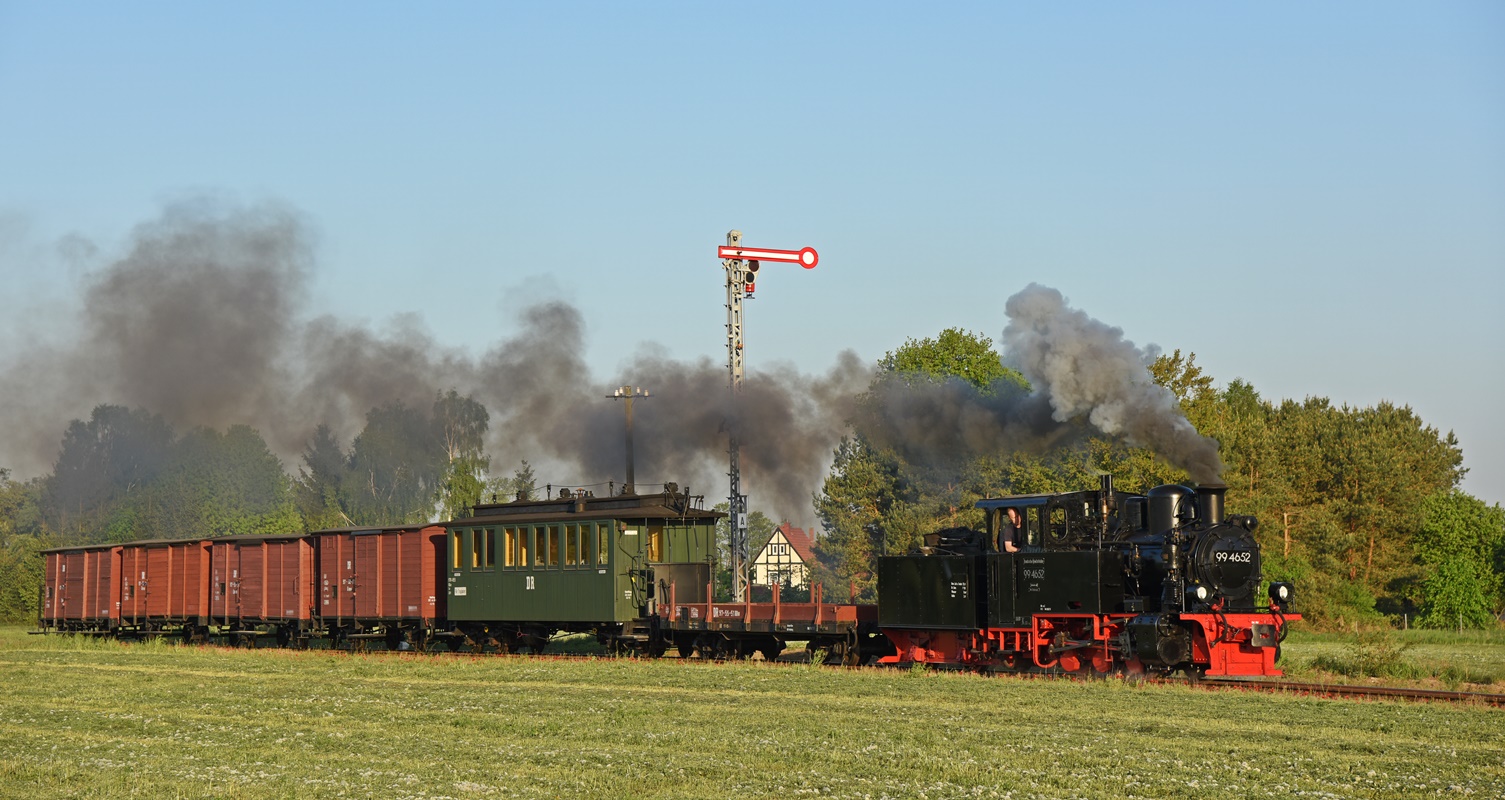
(1372,654)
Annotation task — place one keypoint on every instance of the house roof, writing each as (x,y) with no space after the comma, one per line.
(799,540)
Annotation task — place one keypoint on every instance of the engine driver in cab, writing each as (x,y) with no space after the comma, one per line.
(1011,531)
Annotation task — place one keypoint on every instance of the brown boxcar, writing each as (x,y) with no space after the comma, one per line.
(262,580)
(164,583)
(81,587)
(376,576)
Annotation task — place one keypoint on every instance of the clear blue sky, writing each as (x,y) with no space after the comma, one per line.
(1310,197)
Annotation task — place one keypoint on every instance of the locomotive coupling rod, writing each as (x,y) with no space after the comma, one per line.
(1076,644)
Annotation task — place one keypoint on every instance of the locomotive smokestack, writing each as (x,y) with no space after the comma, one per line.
(1210,502)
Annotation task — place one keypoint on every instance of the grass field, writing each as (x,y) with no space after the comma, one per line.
(1470,661)
(80,718)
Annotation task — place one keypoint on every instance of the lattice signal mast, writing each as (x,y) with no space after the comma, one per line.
(741,265)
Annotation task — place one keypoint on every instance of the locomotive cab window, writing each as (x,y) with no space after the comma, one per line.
(1057,524)
(1032,526)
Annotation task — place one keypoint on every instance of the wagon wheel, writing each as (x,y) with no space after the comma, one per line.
(851,649)
(705,647)
(507,642)
(818,651)
(772,650)
(284,636)
(395,638)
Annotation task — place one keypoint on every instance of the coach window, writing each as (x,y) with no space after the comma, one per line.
(524,544)
(490,548)
(603,543)
(476,548)
(656,544)
(455,543)
(553,545)
(571,545)
(509,547)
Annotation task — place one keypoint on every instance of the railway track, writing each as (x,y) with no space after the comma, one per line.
(1352,690)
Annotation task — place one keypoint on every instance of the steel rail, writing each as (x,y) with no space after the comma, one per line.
(1354,690)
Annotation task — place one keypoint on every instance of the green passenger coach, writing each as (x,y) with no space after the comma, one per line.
(517,573)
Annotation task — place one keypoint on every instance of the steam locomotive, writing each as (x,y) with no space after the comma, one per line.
(1102,581)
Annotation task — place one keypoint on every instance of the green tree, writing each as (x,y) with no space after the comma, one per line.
(22,538)
(103,464)
(954,353)
(461,424)
(1457,544)
(321,481)
(522,484)
(395,468)
(218,485)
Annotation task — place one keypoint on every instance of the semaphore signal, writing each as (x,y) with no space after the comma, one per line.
(741,265)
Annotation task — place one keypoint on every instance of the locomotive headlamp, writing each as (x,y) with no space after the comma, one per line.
(1281,595)
(1197,593)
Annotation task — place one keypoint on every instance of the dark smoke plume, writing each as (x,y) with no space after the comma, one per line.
(1081,372)
(203,322)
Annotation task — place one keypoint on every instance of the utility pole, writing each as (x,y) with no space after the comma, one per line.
(741,265)
(627,393)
